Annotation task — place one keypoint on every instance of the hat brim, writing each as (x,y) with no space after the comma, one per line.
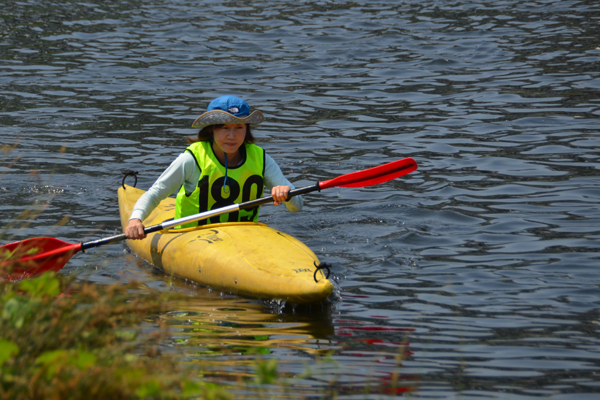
(218,117)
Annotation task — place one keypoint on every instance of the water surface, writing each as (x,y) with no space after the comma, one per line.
(475,276)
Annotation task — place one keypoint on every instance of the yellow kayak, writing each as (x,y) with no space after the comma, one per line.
(245,258)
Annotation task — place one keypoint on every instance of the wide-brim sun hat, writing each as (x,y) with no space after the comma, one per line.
(228,110)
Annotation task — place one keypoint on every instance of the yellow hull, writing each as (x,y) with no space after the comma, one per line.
(246,258)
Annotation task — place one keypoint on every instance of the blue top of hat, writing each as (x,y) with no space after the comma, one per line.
(231,104)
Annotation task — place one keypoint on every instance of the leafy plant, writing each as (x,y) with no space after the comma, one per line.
(62,339)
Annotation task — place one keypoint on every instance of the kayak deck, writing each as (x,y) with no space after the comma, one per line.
(245,258)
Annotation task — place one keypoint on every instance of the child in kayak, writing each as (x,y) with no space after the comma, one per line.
(223,166)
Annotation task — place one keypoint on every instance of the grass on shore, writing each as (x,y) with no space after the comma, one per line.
(63,339)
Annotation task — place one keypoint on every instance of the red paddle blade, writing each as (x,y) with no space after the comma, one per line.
(373,176)
(33,256)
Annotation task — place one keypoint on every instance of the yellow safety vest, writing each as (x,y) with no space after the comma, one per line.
(244,183)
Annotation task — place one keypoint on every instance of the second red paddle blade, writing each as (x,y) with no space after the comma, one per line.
(373,176)
(34,256)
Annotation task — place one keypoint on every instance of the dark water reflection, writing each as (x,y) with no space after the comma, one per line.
(475,276)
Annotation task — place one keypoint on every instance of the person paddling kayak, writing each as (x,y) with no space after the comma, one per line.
(222,166)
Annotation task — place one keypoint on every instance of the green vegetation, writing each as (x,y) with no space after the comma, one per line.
(62,339)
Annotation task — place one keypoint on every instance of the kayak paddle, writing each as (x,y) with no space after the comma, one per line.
(33,256)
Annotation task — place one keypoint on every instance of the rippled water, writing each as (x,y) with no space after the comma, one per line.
(475,276)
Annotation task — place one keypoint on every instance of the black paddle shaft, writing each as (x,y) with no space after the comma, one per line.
(117,238)
(264,200)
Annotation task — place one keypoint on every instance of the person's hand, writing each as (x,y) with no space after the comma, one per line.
(135,229)
(280,194)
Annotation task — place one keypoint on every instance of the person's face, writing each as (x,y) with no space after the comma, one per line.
(230,137)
